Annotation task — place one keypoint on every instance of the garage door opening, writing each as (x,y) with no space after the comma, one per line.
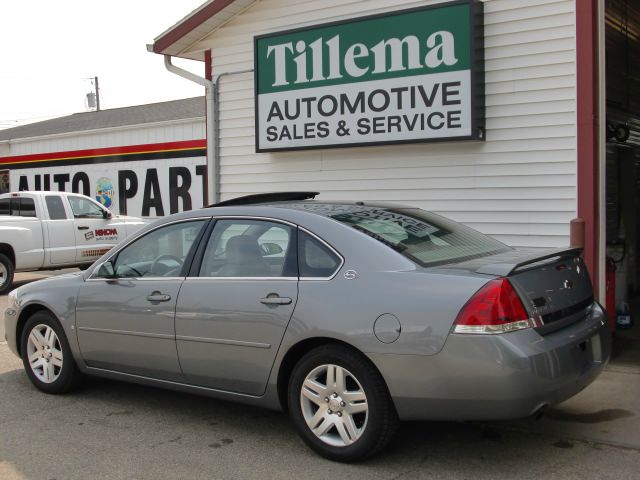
(622,39)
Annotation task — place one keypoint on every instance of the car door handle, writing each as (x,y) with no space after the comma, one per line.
(158,297)
(83,228)
(275,300)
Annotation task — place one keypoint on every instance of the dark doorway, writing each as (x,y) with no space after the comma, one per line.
(622,32)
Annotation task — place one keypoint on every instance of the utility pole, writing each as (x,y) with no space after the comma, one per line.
(97,94)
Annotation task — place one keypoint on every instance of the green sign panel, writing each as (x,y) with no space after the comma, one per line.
(405,76)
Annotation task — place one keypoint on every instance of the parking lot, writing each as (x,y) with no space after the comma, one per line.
(117,430)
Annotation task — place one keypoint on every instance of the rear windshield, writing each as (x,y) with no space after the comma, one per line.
(423,237)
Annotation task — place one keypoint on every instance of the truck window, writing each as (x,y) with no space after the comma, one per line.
(85,208)
(5,206)
(55,207)
(27,207)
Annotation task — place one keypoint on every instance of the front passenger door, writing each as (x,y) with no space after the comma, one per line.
(125,311)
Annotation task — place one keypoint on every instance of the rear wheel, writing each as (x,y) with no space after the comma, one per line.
(46,355)
(340,405)
(6,273)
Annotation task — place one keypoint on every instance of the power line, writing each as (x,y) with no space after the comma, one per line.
(11,121)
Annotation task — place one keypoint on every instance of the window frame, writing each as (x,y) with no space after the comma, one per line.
(188,261)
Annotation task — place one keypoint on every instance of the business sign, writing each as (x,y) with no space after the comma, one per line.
(149,180)
(148,188)
(405,76)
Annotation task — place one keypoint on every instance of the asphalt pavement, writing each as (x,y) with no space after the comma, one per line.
(113,430)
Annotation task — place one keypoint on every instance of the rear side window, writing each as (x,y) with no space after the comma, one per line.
(315,258)
(426,238)
(5,206)
(55,207)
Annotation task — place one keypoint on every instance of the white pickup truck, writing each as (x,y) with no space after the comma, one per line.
(52,230)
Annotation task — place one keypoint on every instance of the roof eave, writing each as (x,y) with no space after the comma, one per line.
(172,41)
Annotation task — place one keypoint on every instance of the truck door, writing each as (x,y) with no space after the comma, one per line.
(95,234)
(59,227)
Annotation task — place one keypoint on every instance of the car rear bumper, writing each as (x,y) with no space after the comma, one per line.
(492,377)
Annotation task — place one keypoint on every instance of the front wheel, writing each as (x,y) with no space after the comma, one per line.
(340,405)
(6,273)
(46,355)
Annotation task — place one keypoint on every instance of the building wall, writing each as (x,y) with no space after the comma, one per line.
(176,130)
(519,185)
(153,175)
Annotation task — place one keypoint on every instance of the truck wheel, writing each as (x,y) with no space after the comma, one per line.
(6,273)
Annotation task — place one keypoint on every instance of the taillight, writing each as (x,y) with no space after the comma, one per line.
(495,308)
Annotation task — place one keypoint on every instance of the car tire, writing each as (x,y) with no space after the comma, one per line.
(340,405)
(6,273)
(46,355)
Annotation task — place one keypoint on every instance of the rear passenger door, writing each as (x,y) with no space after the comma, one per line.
(58,225)
(235,306)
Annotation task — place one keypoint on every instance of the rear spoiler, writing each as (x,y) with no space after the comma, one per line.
(505,269)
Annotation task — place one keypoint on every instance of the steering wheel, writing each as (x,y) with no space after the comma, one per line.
(158,260)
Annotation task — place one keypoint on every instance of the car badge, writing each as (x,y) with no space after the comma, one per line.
(350,274)
(568,284)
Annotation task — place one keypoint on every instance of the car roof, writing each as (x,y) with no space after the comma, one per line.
(325,208)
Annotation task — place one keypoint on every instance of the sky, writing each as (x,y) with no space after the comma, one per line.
(50,49)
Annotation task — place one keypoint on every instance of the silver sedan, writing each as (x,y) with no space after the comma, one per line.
(350,316)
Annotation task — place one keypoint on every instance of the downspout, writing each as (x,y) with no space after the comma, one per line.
(212,119)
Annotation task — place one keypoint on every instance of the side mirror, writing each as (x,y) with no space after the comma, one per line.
(271,248)
(106,214)
(105,270)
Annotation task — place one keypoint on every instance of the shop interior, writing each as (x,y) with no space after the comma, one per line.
(622,38)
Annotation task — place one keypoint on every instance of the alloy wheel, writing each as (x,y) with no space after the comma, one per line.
(44,353)
(334,405)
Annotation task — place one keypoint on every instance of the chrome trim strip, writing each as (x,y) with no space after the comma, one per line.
(128,332)
(494,329)
(241,278)
(169,382)
(140,279)
(223,341)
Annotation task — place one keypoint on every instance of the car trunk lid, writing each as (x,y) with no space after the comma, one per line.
(554,285)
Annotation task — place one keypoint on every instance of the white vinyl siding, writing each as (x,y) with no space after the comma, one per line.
(519,185)
(171,131)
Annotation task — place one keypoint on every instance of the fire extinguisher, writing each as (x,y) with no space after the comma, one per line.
(611,293)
